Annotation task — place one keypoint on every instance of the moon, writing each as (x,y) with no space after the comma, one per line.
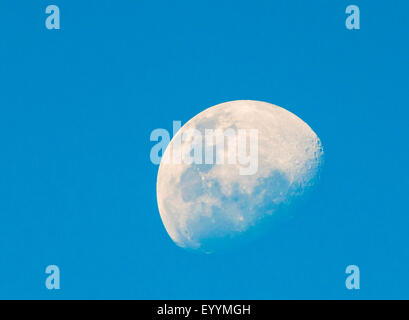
(205,207)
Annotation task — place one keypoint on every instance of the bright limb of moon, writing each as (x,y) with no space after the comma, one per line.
(204,206)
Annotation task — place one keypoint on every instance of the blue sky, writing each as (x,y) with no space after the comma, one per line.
(77,106)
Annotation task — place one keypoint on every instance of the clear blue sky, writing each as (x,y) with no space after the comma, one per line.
(77,106)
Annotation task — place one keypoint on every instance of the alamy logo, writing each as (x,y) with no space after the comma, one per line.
(353,20)
(53,20)
(53,280)
(209,146)
(353,280)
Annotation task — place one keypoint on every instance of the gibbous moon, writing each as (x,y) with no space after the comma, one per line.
(208,206)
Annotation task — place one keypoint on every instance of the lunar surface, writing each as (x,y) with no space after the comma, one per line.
(206,206)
